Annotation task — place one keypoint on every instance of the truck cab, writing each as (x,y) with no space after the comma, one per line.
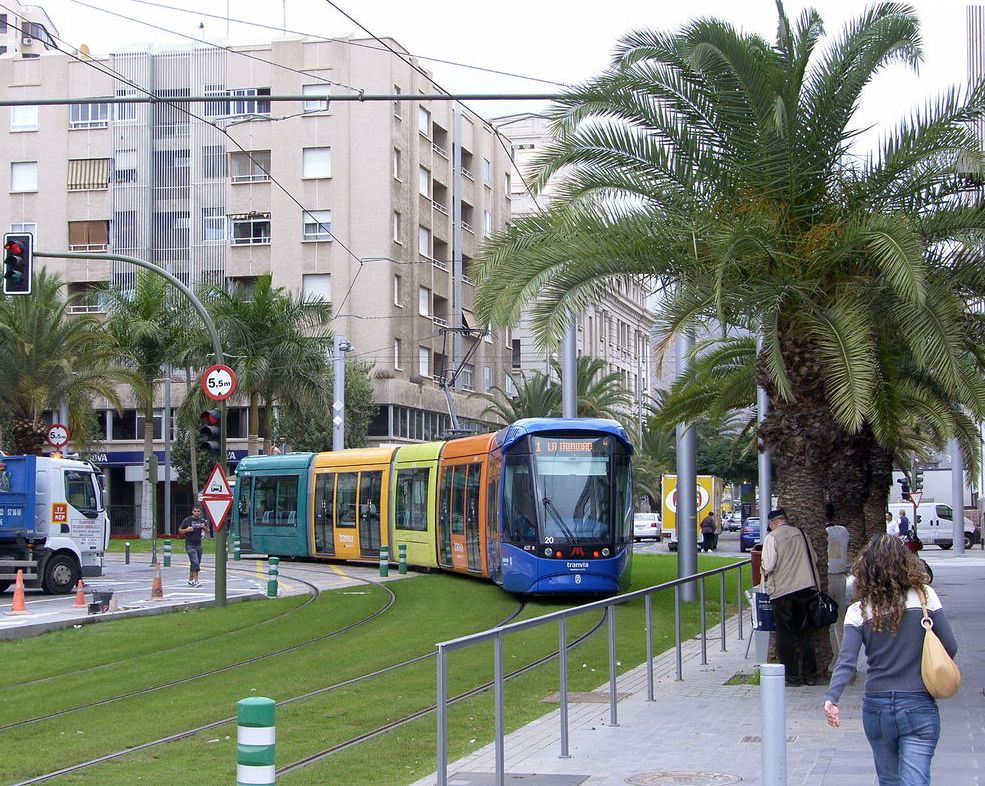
(53,522)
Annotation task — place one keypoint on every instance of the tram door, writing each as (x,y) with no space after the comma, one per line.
(244,522)
(323,514)
(346,498)
(370,487)
(458,518)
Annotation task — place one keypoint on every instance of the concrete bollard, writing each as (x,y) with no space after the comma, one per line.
(272,564)
(384,561)
(402,550)
(773,711)
(126,553)
(167,552)
(256,733)
(236,552)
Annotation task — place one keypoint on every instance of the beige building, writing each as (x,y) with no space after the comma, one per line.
(371,205)
(617,328)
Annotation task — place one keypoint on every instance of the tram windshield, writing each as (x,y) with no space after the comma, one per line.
(561,491)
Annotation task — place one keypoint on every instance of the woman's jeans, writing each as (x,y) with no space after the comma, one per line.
(903,728)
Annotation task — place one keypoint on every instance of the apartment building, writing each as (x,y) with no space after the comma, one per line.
(378,207)
(617,328)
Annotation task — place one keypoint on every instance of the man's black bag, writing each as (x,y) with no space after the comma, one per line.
(823,609)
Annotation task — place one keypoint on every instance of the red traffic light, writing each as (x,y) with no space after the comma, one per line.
(14,247)
(209,418)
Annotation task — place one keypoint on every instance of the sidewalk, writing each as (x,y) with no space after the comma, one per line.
(700,732)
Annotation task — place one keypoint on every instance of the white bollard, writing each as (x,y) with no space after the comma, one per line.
(773,711)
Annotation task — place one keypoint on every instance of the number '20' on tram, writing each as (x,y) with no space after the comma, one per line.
(543,506)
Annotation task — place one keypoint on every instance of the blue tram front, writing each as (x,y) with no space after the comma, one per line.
(565,509)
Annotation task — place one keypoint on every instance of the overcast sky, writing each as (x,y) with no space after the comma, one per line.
(547,40)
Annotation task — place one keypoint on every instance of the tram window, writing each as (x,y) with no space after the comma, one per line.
(370,484)
(458,501)
(412,499)
(275,499)
(324,498)
(520,506)
(472,497)
(345,500)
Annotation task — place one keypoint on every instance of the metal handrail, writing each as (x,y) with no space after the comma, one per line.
(561,617)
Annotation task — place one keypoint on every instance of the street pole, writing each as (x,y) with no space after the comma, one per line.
(957,495)
(764,458)
(167,455)
(569,370)
(338,385)
(687,483)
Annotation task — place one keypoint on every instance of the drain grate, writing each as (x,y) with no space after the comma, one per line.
(683,779)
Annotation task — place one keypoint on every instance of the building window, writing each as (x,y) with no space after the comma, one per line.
(487,171)
(487,228)
(509,387)
(88,235)
(249,167)
(251,104)
(486,379)
(26,226)
(424,242)
(424,181)
(320,89)
(317,225)
(213,224)
(123,113)
(397,294)
(251,228)
(396,354)
(424,301)
(23,176)
(467,376)
(125,166)
(88,116)
(214,108)
(515,358)
(396,226)
(316,162)
(397,102)
(317,286)
(424,121)
(424,361)
(213,161)
(23,118)
(396,163)
(88,174)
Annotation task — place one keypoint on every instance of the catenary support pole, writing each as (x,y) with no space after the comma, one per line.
(569,371)
(338,388)
(687,483)
(765,459)
(166,428)
(957,495)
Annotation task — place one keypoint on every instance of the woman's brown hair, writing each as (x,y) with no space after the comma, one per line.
(884,572)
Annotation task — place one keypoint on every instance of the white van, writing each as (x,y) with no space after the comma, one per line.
(934,524)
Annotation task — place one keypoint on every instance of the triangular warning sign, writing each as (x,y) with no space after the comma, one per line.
(217,485)
(915,497)
(217,509)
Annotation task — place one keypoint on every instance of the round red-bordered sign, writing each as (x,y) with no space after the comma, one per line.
(58,435)
(219,382)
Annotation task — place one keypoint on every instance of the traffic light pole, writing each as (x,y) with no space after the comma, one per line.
(220,538)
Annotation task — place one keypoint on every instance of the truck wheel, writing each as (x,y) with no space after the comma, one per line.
(61,574)
(946,546)
(969,540)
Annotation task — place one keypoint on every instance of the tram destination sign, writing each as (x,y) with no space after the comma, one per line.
(564,446)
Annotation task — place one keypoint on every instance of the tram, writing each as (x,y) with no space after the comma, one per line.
(542,506)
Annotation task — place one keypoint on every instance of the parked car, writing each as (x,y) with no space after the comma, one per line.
(733,522)
(646,526)
(749,534)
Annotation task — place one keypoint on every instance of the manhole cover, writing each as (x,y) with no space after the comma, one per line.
(683,779)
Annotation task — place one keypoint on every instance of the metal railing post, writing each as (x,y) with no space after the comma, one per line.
(721,606)
(500,710)
(704,622)
(563,661)
(442,714)
(739,599)
(649,646)
(613,696)
(677,631)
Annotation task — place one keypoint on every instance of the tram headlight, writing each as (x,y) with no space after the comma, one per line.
(605,552)
(547,551)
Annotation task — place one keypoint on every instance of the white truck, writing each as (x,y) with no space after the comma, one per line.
(53,522)
(935,523)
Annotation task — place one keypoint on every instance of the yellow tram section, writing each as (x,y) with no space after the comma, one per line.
(414,484)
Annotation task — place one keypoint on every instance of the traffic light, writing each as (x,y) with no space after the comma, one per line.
(905,488)
(209,434)
(918,480)
(17,257)
(150,469)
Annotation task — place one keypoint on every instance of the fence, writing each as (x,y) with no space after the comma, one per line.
(125,520)
(496,635)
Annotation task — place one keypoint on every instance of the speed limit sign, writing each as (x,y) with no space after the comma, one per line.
(219,382)
(58,435)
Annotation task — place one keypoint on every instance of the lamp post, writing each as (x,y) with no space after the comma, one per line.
(339,347)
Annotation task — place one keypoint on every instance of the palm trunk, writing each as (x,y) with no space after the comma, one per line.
(147,501)
(848,484)
(252,437)
(875,505)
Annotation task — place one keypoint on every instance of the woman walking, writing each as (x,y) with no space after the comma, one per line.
(900,718)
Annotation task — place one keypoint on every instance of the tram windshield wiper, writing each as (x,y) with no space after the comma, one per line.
(549,507)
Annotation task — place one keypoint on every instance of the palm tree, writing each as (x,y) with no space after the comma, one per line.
(536,396)
(600,395)
(277,344)
(48,357)
(145,326)
(719,164)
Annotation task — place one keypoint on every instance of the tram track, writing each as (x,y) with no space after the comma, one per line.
(292,700)
(391,599)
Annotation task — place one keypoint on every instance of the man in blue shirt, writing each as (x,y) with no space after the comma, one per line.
(904,524)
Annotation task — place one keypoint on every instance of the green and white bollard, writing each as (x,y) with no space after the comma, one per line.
(126,553)
(384,560)
(402,550)
(272,564)
(167,552)
(236,554)
(255,741)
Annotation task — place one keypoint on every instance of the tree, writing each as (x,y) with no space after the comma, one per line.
(277,344)
(144,326)
(47,357)
(536,396)
(719,164)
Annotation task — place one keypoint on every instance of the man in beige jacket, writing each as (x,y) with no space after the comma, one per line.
(789,581)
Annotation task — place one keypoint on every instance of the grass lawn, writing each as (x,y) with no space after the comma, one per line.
(429,609)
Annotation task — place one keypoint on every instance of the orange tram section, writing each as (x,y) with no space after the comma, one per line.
(543,506)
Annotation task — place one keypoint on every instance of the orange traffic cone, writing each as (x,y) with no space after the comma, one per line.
(80,596)
(157,587)
(18,607)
